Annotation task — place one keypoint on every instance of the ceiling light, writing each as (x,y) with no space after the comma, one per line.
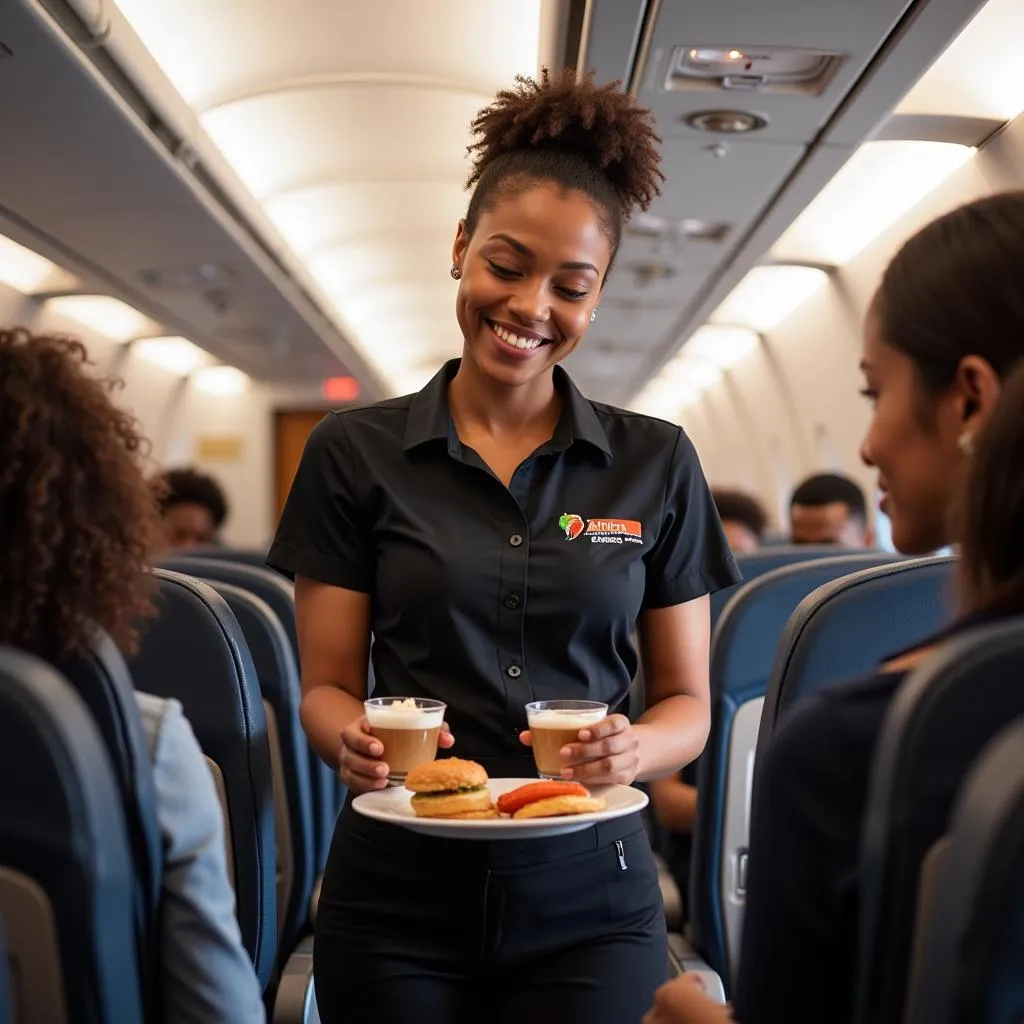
(978,75)
(665,399)
(767,295)
(873,189)
(691,373)
(176,355)
(731,121)
(108,316)
(221,380)
(721,344)
(22,269)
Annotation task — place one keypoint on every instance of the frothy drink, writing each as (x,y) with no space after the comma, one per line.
(553,724)
(408,729)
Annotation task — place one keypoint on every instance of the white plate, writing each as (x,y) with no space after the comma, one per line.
(392,806)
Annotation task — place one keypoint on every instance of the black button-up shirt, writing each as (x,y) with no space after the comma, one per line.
(486,596)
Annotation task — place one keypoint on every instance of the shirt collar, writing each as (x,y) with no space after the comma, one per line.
(430,419)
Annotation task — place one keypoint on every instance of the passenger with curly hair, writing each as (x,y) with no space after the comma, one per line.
(193,507)
(79,527)
(500,536)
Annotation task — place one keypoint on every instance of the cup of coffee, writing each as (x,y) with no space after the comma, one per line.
(408,728)
(553,724)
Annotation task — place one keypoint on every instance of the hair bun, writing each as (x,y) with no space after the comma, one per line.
(599,123)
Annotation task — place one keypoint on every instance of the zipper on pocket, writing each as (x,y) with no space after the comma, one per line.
(620,850)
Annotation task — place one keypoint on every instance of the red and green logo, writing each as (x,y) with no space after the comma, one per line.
(573,525)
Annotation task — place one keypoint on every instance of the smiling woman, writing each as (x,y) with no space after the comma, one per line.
(501,537)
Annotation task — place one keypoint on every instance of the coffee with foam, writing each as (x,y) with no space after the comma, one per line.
(555,724)
(408,729)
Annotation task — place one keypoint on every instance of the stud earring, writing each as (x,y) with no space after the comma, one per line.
(455,272)
(965,442)
(593,315)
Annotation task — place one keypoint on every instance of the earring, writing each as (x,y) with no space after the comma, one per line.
(455,272)
(593,315)
(965,442)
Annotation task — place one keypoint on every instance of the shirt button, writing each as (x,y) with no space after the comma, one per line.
(515,540)
(514,671)
(512,602)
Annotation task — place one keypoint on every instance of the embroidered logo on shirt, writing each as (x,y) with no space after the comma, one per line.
(601,531)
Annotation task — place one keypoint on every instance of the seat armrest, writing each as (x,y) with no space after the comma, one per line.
(296,998)
(683,959)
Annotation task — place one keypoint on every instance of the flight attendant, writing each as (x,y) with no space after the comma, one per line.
(443,524)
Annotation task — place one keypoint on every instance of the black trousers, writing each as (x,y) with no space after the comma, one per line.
(413,928)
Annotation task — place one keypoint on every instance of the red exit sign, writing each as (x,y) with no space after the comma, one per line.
(341,389)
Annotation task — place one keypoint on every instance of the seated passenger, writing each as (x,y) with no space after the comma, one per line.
(743,519)
(828,508)
(943,336)
(79,526)
(193,507)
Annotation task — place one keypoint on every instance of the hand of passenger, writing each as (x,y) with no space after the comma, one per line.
(608,753)
(360,766)
(683,1001)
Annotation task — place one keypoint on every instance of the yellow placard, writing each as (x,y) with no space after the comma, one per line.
(219,449)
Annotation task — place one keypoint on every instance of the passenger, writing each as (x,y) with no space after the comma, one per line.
(79,526)
(743,519)
(500,535)
(828,508)
(945,330)
(193,507)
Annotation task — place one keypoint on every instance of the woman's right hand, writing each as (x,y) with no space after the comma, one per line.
(359,764)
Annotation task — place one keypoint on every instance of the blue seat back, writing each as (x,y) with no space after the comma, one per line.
(63,842)
(845,628)
(971,942)
(279,683)
(328,794)
(237,556)
(101,679)
(941,720)
(742,652)
(757,564)
(195,652)
(6,1008)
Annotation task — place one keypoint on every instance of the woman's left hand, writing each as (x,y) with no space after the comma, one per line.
(607,753)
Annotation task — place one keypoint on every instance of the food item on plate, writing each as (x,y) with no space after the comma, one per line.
(450,788)
(548,799)
(555,806)
(510,802)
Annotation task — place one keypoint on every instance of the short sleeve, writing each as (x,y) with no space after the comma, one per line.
(323,533)
(690,556)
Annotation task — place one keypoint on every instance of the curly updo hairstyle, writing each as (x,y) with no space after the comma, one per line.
(78,522)
(566,130)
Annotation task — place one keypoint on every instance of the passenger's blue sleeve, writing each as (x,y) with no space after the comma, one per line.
(691,555)
(323,533)
(207,976)
(798,951)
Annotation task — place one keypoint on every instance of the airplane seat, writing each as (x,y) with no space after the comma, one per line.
(256,557)
(760,562)
(101,678)
(279,684)
(66,888)
(196,653)
(844,628)
(970,944)
(943,717)
(742,650)
(328,793)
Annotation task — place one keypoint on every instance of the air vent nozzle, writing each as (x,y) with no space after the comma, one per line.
(763,69)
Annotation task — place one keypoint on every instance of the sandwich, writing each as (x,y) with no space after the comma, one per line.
(550,799)
(450,788)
